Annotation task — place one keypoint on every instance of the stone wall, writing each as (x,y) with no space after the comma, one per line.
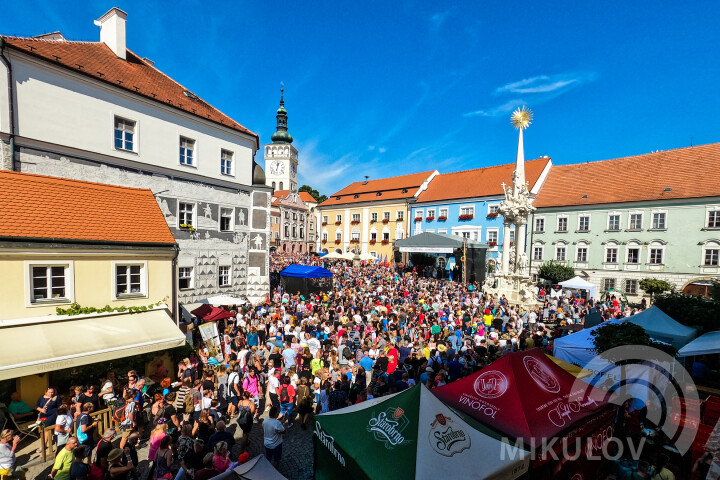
(5,157)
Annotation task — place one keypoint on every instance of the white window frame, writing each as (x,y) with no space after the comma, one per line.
(443,212)
(338,235)
(605,283)
(194,213)
(374,216)
(69,297)
(143,293)
(562,246)
(707,217)
(232,219)
(338,217)
(400,215)
(584,246)
(193,158)
(709,245)
(470,208)
(535,247)
(442,230)
(535,229)
(420,213)
(619,223)
(567,223)
(652,219)
(231,173)
(386,215)
(431,213)
(630,216)
(496,231)
(630,246)
(325,219)
(325,235)
(580,217)
(135,143)
(606,251)
(493,208)
(229,276)
(191,277)
(355,234)
(656,246)
(355,217)
(627,290)
(399,232)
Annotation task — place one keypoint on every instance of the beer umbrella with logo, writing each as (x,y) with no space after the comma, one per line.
(409,435)
(523,395)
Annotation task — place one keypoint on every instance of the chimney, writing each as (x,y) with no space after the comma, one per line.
(112,30)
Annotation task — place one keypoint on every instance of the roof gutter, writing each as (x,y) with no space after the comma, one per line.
(11,104)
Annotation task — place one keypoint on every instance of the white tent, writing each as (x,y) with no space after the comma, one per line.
(578,283)
(219,300)
(257,468)
(663,328)
(703,345)
(334,256)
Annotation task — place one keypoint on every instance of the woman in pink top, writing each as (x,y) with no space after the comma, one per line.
(156,436)
(221,462)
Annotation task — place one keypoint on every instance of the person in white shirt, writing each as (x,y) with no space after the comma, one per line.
(273,386)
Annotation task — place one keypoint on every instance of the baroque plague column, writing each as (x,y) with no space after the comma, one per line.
(513,279)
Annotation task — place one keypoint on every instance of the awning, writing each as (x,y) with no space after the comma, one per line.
(427,242)
(217,314)
(43,344)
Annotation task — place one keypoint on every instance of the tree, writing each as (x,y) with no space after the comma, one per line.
(315,194)
(654,286)
(556,272)
(626,333)
(690,310)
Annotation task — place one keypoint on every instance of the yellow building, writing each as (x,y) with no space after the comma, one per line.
(68,245)
(369,216)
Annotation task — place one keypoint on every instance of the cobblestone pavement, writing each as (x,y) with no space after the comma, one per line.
(296,464)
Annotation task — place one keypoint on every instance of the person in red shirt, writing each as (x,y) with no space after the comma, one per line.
(392,355)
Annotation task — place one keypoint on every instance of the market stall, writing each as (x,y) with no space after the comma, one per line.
(305,279)
(578,283)
(409,435)
(663,328)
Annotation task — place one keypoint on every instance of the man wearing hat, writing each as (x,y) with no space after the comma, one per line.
(115,467)
(104,448)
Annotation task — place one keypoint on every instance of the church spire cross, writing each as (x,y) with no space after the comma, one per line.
(281,134)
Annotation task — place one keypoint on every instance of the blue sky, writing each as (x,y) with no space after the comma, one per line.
(386,88)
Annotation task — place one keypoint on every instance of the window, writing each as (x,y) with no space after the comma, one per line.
(431,213)
(400,215)
(226,219)
(655,256)
(419,213)
(386,236)
(386,215)
(633,255)
(443,212)
(324,236)
(584,223)
(562,224)
(355,217)
(226,163)
(224,276)
(187,151)
(614,221)
(635,221)
(294,215)
(281,185)
(493,208)
(373,236)
(48,283)
(124,134)
(492,236)
(465,234)
(611,254)
(658,220)
(325,219)
(467,210)
(512,235)
(355,235)
(539,224)
(185,278)
(714,219)
(338,218)
(187,214)
(608,283)
(560,253)
(711,257)
(373,217)
(302,232)
(129,280)
(287,231)
(399,233)
(631,286)
(582,254)
(338,235)
(538,252)
(442,230)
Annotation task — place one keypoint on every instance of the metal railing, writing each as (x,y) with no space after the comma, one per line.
(106,421)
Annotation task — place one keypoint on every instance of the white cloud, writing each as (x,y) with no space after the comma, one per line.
(499,110)
(382,149)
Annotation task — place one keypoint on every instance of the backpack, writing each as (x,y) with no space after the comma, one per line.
(303,392)
(120,413)
(346,353)
(284,394)
(189,406)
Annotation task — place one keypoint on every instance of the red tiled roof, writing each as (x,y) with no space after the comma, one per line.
(690,172)
(390,188)
(280,194)
(95,59)
(38,206)
(480,182)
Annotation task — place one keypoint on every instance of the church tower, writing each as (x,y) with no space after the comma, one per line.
(281,158)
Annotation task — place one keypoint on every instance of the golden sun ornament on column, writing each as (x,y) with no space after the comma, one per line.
(521,118)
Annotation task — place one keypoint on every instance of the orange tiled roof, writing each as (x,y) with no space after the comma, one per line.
(38,206)
(280,194)
(392,188)
(480,182)
(95,59)
(690,172)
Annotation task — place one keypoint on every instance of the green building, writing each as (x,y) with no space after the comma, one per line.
(619,221)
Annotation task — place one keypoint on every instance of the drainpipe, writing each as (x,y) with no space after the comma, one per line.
(174,297)
(11,96)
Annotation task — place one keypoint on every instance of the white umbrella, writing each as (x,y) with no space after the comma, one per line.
(223,300)
(334,256)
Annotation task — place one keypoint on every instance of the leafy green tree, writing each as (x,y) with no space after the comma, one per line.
(626,333)
(690,310)
(315,194)
(556,272)
(654,286)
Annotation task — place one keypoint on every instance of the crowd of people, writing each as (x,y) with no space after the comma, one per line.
(380,330)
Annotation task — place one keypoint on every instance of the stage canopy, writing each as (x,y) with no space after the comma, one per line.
(663,328)
(703,345)
(524,395)
(305,271)
(408,435)
(578,283)
(578,347)
(436,243)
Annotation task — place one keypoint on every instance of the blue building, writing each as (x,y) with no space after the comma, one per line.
(465,203)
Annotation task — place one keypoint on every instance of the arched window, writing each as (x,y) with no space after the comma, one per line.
(281,185)
(711,253)
(273,185)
